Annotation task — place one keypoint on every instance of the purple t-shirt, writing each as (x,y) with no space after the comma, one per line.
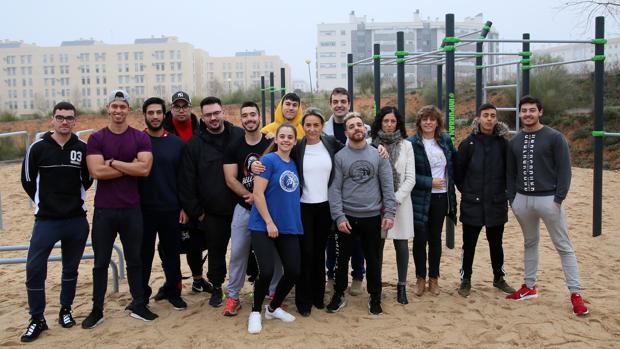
(119,192)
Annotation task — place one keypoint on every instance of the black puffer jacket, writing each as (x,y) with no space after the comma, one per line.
(480,176)
(201,183)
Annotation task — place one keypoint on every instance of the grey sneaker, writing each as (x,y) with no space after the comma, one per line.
(503,286)
(356,288)
(465,288)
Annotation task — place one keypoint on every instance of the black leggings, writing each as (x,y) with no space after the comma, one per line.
(430,233)
(316,221)
(470,239)
(265,248)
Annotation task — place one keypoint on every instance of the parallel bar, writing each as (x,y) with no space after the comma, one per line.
(599,80)
(547,41)
(272,96)
(450,108)
(495,87)
(400,72)
(350,79)
(282,82)
(525,73)
(506,109)
(262,99)
(377,80)
(500,64)
(439,86)
(560,63)
(612,134)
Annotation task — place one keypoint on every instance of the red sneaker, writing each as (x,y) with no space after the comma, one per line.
(523,293)
(232,306)
(579,307)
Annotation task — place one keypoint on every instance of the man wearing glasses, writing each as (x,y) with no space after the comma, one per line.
(180,120)
(55,176)
(117,155)
(202,187)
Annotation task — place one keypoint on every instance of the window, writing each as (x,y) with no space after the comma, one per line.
(327,32)
(328,76)
(327,65)
(327,43)
(99,56)
(159,55)
(327,54)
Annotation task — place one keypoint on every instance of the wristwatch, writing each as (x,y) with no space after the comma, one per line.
(110,163)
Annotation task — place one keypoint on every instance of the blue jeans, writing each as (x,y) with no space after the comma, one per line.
(72,233)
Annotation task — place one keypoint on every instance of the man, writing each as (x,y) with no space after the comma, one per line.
(161,212)
(362,187)
(480,176)
(238,158)
(288,110)
(539,174)
(55,177)
(117,155)
(202,187)
(182,122)
(339,103)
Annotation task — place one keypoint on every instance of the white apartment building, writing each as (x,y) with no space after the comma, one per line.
(34,78)
(336,40)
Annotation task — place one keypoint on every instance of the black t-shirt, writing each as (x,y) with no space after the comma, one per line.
(243,155)
(339,132)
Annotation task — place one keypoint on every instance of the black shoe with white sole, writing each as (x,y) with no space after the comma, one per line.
(93,319)
(141,312)
(177,302)
(338,302)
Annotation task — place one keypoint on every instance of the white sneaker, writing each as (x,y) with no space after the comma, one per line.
(254,323)
(279,313)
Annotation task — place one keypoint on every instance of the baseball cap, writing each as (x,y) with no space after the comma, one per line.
(119,95)
(181,96)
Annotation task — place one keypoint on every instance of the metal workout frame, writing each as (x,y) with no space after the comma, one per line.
(447,55)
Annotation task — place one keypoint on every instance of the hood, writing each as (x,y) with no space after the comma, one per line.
(169,126)
(47,136)
(500,130)
(279,119)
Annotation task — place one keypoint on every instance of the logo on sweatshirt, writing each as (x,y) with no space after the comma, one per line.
(361,171)
(289,181)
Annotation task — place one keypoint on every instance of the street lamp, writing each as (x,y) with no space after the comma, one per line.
(229,86)
(309,75)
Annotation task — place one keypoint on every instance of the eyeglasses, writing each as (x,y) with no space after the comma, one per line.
(214,114)
(184,108)
(61,118)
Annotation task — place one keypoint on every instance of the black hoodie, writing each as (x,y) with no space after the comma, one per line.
(56,177)
(201,183)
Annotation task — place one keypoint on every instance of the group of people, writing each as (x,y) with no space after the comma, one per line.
(298,199)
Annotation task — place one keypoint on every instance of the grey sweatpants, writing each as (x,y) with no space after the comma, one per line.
(529,210)
(240,240)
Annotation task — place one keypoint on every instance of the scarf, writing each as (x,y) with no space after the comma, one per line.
(391,141)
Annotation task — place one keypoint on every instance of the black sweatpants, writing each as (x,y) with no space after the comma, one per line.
(369,231)
(265,248)
(166,224)
(470,239)
(316,220)
(72,233)
(430,233)
(107,223)
(217,229)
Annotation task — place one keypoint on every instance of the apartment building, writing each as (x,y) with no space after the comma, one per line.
(34,78)
(336,40)
(570,52)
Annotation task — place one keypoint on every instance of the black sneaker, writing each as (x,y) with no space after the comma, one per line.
(141,312)
(34,330)
(202,285)
(503,286)
(177,302)
(93,319)
(465,288)
(338,302)
(160,295)
(374,305)
(217,297)
(65,319)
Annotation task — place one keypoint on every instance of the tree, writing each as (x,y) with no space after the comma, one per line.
(593,8)
(365,82)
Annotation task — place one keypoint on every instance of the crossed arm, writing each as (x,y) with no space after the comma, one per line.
(103,169)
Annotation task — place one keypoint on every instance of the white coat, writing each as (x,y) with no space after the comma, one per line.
(405,166)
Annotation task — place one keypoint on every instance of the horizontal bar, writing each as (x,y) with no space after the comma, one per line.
(500,64)
(612,134)
(506,109)
(496,87)
(16,133)
(369,59)
(559,63)
(548,41)
(491,53)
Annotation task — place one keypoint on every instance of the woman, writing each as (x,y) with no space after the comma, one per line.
(314,156)
(388,130)
(433,195)
(275,224)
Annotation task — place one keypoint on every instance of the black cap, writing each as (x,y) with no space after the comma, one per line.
(181,96)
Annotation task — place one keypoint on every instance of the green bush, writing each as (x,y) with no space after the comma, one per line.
(9,149)
(7,116)
(581,133)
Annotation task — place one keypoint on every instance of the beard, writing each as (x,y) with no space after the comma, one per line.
(153,128)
